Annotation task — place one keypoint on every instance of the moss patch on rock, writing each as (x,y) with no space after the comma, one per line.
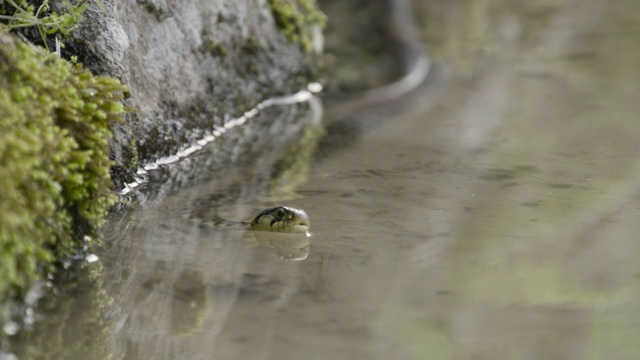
(55,126)
(295,19)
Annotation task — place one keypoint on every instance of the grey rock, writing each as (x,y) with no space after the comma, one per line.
(187,65)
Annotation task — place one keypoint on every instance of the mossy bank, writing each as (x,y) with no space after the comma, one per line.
(55,127)
(187,69)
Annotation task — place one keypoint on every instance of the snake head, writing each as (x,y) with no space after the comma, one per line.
(282,219)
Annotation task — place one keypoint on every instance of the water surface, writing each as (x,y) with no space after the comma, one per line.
(492,213)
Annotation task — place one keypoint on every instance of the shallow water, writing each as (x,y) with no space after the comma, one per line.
(492,213)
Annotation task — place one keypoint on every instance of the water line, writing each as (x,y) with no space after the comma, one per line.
(417,66)
(304,95)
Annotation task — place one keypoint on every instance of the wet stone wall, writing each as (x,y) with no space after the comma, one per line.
(188,68)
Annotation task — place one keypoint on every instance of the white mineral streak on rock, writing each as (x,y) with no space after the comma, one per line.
(167,160)
(151,166)
(299,97)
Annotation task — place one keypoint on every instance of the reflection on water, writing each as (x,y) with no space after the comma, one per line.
(190,305)
(495,217)
(176,277)
(293,246)
(74,326)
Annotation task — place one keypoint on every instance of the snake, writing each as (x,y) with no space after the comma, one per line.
(281,219)
(283,230)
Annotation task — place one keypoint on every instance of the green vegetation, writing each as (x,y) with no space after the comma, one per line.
(18,14)
(214,49)
(55,122)
(295,19)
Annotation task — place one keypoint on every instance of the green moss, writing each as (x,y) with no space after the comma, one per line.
(135,156)
(55,122)
(295,19)
(214,49)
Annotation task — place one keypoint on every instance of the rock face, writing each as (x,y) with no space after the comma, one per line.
(189,67)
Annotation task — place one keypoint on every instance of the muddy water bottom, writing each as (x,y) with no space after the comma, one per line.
(491,216)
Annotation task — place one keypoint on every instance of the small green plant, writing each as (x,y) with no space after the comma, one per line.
(24,14)
(295,18)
